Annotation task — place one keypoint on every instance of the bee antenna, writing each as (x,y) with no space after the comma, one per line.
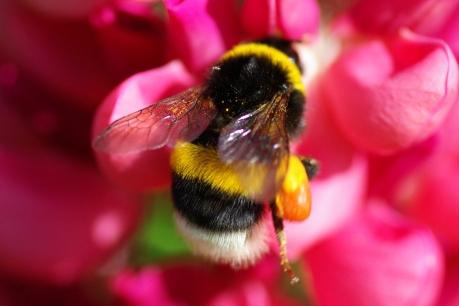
(282,240)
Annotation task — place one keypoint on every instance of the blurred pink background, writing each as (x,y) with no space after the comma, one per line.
(79,227)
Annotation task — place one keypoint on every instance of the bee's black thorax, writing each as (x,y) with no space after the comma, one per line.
(240,84)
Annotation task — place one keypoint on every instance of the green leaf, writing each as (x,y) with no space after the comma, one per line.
(157,240)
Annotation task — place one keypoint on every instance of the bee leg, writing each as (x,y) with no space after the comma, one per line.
(311,166)
(282,239)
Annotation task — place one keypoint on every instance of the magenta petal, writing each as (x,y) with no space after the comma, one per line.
(387,95)
(378,259)
(297,18)
(145,170)
(131,36)
(342,171)
(330,209)
(193,33)
(65,9)
(391,15)
(450,292)
(259,17)
(433,198)
(292,18)
(48,54)
(449,30)
(203,285)
(58,218)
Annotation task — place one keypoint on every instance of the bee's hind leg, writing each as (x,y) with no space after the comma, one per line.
(311,166)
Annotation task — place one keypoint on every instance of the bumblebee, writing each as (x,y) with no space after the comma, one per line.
(231,160)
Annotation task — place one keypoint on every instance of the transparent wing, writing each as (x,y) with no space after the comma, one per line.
(256,145)
(181,117)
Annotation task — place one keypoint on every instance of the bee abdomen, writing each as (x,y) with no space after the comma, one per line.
(213,209)
(214,216)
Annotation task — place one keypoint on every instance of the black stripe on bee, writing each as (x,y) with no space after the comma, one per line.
(212,209)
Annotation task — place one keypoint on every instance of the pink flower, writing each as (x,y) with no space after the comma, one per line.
(379,258)
(58,218)
(450,291)
(194,284)
(382,109)
(424,16)
(431,196)
(48,55)
(345,173)
(130,36)
(449,28)
(292,18)
(64,9)
(388,94)
(145,170)
(197,30)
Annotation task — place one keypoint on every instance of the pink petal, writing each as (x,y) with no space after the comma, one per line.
(47,52)
(388,172)
(449,131)
(64,9)
(4,298)
(297,18)
(292,18)
(391,15)
(342,172)
(450,292)
(145,170)
(388,95)
(377,259)
(58,218)
(194,35)
(131,36)
(449,31)
(432,196)
(259,17)
(203,285)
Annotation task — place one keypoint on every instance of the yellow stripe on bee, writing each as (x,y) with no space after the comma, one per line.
(277,57)
(197,162)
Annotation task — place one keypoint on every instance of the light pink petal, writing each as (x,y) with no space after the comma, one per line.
(194,35)
(337,192)
(432,197)
(292,18)
(378,259)
(150,169)
(450,31)
(297,18)
(45,48)
(391,15)
(388,95)
(132,37)
(204,285)
(58,218)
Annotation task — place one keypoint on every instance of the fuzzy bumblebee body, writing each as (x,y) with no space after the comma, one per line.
(213,206)
(213,212)
(231,161)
